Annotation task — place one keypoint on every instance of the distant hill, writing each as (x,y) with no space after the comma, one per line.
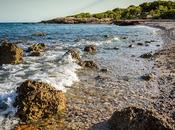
(149,10)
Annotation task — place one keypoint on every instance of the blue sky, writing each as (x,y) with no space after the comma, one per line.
(37,10)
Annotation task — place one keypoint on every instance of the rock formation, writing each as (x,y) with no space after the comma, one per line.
(10,54)
(37,100)
(133,118)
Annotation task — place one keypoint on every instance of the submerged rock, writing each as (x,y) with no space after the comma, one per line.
(40,34)
(133,118)
(89,64)
(91,49)
(131,46)
(37,100)
(146,55)
(36,49)
(10,53)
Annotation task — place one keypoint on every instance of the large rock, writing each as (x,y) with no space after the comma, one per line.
(146,55)
(90,49)
(75,54)
(10,54)
(133,118)
(25,127)
(36,49)
(37,100)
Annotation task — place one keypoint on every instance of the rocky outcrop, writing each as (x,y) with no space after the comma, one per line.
(37,100)
(10,53)
(128,22)
(75,54)
(73,20)
(133,118)
(91,49)
(36,49)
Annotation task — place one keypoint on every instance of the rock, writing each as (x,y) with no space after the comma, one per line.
(89,64)
(133,118)
(140,44)
(10,53)
(146,55)
(131,46)
(104,70)
(75,54)
(148,77)
(36,49)
(127,22)
(39,34)
(37,100)
(91,49)
(116,48)
(25,127)
(147,42)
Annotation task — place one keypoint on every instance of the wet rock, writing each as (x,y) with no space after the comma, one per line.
(36,49)
(89,64)
(147,42)
(37,100)
(131,46)
(91,49)
(146,55)
(133,118)
(75,54)
(25,127)
(116,48)
(10,53)
(127,22)
(148,77)
(140,44)
(40,34)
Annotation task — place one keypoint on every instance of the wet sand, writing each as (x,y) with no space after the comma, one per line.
(92,101)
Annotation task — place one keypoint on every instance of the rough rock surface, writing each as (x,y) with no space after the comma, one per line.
(146,55)
(25,127)
(39,34)
(148,77)
(36,49)
(75,54)
(37,100)
(10,54)
(91,49)
(133,118)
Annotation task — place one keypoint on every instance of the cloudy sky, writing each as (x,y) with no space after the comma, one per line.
(37,10)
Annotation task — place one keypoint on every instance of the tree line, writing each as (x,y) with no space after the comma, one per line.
(154,10)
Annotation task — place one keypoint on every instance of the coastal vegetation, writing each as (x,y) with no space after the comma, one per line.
(156,10)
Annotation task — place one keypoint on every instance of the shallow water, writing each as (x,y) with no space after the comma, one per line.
(59,70)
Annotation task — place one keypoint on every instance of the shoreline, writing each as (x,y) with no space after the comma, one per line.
(100,123)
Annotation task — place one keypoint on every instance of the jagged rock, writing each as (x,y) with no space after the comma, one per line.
(36,49)
(75,54)
(89,64)
(146,55)
(91,49)
(25,127)
(10,53)
(127,22)
(133,118)
(148,77)
(39,34)
(37,100)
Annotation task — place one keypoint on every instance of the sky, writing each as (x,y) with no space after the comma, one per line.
(38,10)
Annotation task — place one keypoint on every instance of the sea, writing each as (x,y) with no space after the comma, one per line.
(60,70)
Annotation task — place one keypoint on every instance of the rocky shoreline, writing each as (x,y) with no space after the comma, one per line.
(99,101)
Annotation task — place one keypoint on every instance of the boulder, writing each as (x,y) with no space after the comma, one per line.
(134,118)
(10,53)
(38,101)
(75,54)
(91,49)
(89,64)
(36,49)
(146,55)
